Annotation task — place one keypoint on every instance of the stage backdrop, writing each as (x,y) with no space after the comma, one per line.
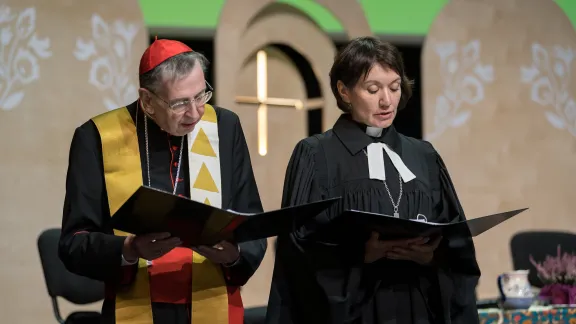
(499,107)
(272,131)
(61,63)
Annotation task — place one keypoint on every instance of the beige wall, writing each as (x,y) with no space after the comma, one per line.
(504,151)
(285,127)
(498,105)
(47,93)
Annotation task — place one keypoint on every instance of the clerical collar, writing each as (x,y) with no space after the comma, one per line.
(356,136)
(374,131)
(154,129)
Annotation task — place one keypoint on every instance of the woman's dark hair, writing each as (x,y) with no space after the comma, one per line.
(356,59)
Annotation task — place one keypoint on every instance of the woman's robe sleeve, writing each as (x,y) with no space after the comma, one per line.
(311,270)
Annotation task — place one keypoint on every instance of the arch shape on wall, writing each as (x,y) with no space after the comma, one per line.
(302,34)
(305,68)
(264,29)
(236,19)
(314,93)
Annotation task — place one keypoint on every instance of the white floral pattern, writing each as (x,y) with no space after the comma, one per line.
(550,76)
(110,52)
(463,77)
(20,48)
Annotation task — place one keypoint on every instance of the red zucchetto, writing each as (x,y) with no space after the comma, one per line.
(160,51)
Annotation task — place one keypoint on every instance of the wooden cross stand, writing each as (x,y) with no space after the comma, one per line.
(263,101)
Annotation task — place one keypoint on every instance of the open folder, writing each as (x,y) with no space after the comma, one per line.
(150,210)
(391,227)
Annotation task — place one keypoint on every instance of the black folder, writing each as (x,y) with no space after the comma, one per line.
(391,227)
(151,210)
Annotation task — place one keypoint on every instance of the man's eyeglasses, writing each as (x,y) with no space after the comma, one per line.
(179,106)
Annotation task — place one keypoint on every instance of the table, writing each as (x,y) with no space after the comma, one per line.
(536,314)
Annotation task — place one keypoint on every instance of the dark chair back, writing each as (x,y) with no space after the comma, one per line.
(59,281)
(539,244)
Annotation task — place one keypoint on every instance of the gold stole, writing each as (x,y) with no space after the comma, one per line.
(123,176)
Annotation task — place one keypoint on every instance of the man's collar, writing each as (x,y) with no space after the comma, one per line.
(353,135)
(133,109)
(153,128)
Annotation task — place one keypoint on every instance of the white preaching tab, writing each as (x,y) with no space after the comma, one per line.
(376,163)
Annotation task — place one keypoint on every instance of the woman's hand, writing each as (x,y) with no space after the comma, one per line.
(422,253)
(376,249)
(221,253)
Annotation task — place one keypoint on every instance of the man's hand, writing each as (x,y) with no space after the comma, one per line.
(221,253)
(376,249)
(149,246)
(422,253)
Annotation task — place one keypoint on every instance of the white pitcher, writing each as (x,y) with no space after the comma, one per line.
(515,289)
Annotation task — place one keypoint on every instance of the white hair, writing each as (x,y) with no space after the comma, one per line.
(174,68)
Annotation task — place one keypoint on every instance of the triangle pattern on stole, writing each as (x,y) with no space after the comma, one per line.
(202,145)
(204,181)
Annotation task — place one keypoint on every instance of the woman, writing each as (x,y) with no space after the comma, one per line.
(321,275)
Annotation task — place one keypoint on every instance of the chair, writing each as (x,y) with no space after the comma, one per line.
(62,283)
(539,244)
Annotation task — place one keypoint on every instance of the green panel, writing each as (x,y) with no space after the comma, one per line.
(318,13)
(181,13)
(407,17)
(569,7)
(400,17)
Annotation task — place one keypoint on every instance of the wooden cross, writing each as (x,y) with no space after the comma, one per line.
(263,101)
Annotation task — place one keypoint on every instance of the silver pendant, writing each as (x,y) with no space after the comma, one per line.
(397,215)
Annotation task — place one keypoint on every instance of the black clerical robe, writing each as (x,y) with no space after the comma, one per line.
(89,247)
(319,275)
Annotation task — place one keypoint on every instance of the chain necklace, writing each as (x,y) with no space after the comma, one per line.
(148,154)
(397,204)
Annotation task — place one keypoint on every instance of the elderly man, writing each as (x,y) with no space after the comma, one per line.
(172,140)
